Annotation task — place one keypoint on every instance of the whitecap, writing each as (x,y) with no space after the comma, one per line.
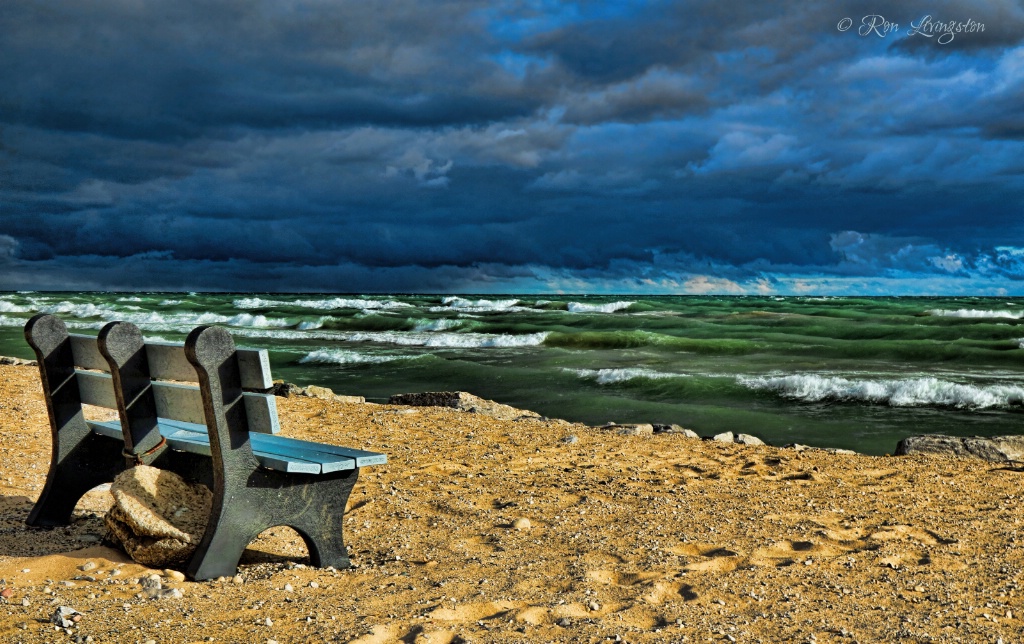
(611,307)
(341,356)
(613,376)
(907,392)
(976,313)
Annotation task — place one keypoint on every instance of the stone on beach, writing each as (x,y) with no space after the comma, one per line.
(995,448)
(462,401)
(157,517)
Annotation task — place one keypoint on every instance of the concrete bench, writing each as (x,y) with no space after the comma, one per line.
(221,432)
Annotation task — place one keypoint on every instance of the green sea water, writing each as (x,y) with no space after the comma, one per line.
(857,373)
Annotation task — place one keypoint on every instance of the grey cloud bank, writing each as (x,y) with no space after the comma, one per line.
(510,147)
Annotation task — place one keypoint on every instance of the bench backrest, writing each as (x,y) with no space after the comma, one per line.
(62,354)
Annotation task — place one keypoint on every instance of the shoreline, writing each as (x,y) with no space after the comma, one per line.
(649,538)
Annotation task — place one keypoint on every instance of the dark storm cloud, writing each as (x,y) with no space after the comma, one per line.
(743,147)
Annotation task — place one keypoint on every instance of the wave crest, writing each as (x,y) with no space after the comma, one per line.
(976,313)
(909,392)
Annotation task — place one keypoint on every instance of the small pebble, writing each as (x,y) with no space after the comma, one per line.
(174,575)
(238,579)
(313,584)
(87,566)
(522,523)
(6,592)
(593,605)
(288,588)
(269,622)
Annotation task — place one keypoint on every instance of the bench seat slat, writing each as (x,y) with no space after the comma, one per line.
(167,361)
(289,455)
(181,402)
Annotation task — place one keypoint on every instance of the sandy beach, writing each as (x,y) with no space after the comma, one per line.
(487,530)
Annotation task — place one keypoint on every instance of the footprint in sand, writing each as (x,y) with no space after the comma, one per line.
(710,558)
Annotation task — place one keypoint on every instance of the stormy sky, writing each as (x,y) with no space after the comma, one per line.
(796,147)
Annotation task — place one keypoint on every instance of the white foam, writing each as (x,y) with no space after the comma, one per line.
(976,313)
(79,310)
(259,321)
(170,302)
(611,307)
(323,305)
(129,299)
(341,356)
(7,307)
(9,321)
(612,376)
(909,392)
(441,324)
(448,340)
(478,306)
(310,325)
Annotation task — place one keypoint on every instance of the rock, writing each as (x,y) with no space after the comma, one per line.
(286,389)
(87,566)
(572,439)
(174,575)
(522,523)
(313,391)
(675,429)
(157,517)
(17,362)
(165,593)
(747,439)
(725,437)
(462,401)
(995,448)
(65,617)
(642,429)
(6,593)
(350,400)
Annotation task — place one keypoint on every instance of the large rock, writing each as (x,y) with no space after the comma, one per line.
(157,517)
(462,401)
(17,362)
(995,448)
(289,389)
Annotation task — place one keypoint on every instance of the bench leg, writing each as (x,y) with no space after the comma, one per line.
(312,505)
(76,467)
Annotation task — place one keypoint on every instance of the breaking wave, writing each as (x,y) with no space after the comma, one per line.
(340,356)
(448,340)
(976,313)
(611,307)
(612,376)
(910,392)
(323,305)
(477,306)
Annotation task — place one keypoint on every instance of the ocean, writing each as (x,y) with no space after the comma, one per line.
(854,373)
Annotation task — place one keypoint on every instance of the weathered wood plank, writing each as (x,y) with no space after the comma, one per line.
(180,402)
(167,362)
(188,441)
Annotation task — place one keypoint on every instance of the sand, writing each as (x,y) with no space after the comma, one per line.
(485,530)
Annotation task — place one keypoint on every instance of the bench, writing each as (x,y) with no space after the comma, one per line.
(222,433)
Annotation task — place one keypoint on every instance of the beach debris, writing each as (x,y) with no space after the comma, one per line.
(463,401)
(994,448)
(662,428)
(65,617)
(157,517)
(748,439)
(640,429)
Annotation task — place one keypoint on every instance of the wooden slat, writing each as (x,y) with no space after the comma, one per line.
(195,443)
(276,452)
(96,389)
(87,353)
(285,447)
(167,361)
(180,402)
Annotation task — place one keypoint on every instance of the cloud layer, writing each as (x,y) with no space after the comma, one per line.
(511,146)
